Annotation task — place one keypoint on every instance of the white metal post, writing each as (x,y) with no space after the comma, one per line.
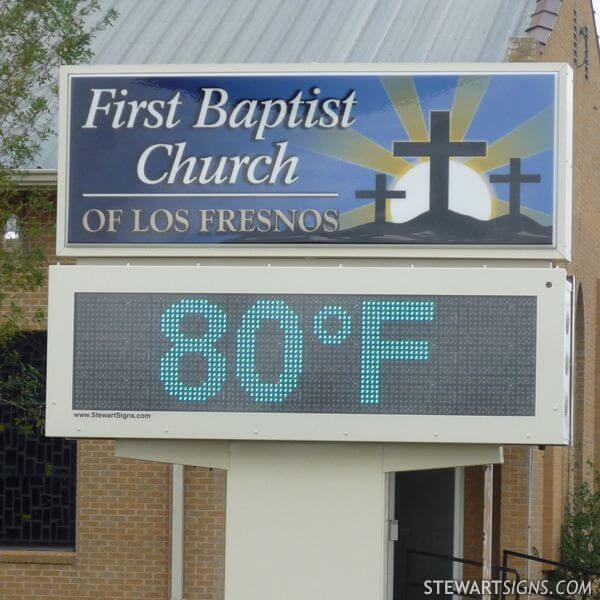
(488,499)
(177,537)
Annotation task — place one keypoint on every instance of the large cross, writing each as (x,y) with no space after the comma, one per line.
(439,150)
(380,194)
(515,178)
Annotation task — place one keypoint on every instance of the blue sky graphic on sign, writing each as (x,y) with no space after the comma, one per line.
(426,159)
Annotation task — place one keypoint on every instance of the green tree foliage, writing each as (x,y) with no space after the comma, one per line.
(36,37)
(21,387)
(580,542)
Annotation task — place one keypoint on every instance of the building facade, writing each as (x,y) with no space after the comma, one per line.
(122,510)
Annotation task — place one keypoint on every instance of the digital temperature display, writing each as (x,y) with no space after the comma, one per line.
(305,353)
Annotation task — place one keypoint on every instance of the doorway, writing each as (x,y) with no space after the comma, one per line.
(427,509)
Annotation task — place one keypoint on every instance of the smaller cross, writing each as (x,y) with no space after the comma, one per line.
(515,178)
(380,194)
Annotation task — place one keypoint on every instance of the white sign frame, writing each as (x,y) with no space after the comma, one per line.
(548,426)
(564,117)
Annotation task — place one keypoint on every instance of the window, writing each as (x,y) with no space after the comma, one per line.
(11,237)
(37,474)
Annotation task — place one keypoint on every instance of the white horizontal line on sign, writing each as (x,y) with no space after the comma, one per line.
(245,195)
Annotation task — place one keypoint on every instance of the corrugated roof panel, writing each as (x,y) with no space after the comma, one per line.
(324,19)
(193,31)
(262,31)
(221,34)
(472,36)
(278,39)
(415,43)
(252,29)
(347,33)
(375,30)
(190,41)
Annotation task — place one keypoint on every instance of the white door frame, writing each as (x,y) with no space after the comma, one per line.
(459,520)
(392,527)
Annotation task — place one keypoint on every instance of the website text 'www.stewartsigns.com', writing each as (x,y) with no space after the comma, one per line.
(111,415)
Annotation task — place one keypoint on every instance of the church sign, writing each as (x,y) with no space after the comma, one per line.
(386,160)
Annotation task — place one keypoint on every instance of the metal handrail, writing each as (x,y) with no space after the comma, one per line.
(546,561)
(504,569)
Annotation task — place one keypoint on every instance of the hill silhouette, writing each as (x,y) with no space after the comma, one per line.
(427,228)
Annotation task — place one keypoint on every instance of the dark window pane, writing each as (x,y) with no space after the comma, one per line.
(37,474)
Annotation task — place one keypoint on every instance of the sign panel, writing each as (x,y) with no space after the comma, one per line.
(196,352)
(464,160)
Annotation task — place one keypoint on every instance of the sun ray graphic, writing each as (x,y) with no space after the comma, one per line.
(469,93)
(532,137)
(499,208)
(350,146)
(403,94)
(358,216)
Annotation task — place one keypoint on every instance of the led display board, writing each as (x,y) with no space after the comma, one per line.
(321,353)
(305,353)
(373,160)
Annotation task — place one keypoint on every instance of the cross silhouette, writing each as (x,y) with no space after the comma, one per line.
(380,194)
(515,178)
(439,150)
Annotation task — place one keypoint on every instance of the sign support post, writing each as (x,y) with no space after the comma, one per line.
(307,520)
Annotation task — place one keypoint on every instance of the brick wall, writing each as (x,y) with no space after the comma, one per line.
(473,519)
(557,470)
(123,535)
(123,511)
(561,467)
(586,214)
(204,533)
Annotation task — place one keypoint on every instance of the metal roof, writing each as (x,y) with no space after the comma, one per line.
(263,31)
